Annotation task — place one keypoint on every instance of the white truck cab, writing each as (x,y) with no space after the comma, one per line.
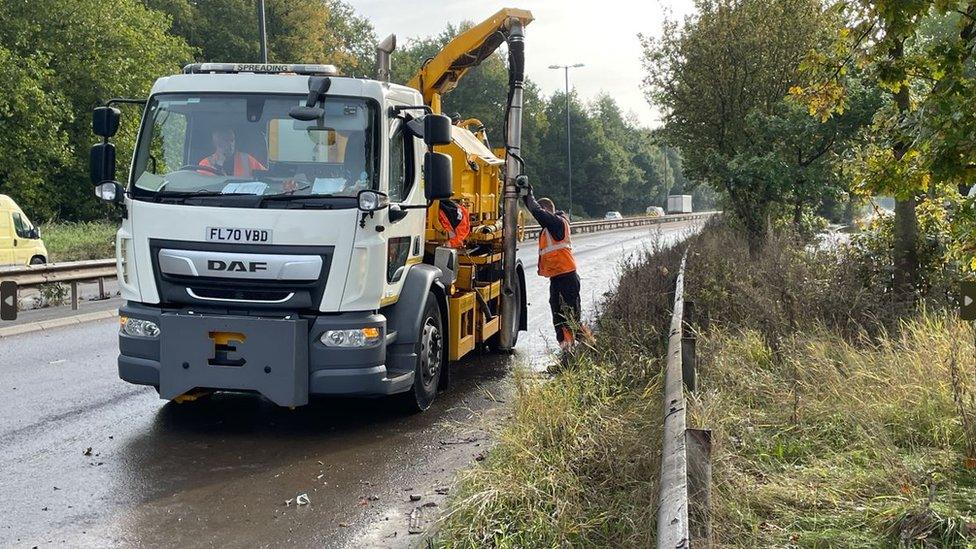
(273,237)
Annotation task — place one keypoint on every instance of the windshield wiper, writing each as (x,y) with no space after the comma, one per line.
(202,193)
(293,196)
(300,197)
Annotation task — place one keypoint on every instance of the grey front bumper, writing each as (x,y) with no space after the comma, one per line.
(177,361)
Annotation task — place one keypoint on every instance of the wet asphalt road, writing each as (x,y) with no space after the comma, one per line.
(219,471)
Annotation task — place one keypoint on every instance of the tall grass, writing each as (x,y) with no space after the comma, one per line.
(839,414)
(76,241)
(574,467)
(833,443)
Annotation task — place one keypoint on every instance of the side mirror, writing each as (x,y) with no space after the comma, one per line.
(102,163)
(437,176)
(372,201)
(437,130)
(35,233)
(105,121)
(110,191)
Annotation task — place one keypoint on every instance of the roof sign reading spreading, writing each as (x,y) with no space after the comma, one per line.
(261,68)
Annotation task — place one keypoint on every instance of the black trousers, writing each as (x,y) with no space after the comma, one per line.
(564,300)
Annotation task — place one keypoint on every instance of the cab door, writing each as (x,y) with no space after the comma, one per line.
(6,238)
(23,243)
(405,246)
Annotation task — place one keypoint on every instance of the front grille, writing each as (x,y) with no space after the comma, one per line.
(227,294)
(179,290)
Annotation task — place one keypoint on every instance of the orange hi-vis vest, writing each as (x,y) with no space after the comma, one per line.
(556,256)
(244,164)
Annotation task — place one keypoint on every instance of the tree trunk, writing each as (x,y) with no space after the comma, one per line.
(906,220)
(906,249)
(757,230)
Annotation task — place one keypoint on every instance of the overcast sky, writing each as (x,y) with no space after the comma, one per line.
(602,34)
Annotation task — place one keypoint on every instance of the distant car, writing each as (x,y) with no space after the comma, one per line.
(655,211)
(613,215)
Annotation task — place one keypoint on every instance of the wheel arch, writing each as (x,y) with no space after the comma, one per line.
(406,315)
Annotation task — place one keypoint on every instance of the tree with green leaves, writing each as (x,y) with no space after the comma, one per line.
(921,143)
(298,31)
(33,144)
(89,53)
(718,77)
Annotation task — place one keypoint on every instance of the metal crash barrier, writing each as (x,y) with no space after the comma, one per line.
(532,231)
(71,272)
(683,499)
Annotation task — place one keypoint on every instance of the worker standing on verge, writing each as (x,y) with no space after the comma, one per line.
(556,262)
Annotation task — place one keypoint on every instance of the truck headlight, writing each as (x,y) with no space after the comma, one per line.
(361,337)
(136,327)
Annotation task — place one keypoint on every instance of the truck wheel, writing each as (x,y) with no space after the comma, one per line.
(37,260)
(493,341)
(430,359)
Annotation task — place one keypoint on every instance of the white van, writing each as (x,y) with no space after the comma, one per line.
(20,240)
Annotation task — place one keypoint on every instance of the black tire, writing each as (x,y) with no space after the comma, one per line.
(37,260)
(494,341)
(431,359)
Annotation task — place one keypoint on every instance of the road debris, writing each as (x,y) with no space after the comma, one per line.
(414,526)
(464,440)
(87,452)
(415,497)
(302,499)
(442,491)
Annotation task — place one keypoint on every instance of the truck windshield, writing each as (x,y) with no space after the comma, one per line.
(211,145)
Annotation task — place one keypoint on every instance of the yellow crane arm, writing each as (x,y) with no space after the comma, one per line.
(441,74)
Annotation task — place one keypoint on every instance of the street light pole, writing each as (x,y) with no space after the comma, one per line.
(262,32)
(569,139)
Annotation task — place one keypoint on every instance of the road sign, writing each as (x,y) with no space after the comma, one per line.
(967,300)
(8,300)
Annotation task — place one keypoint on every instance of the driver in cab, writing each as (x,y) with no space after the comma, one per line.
(226,159)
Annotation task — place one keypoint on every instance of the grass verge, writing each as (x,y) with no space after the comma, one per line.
(569,469)
(840,417)
(77,241)
(825,442)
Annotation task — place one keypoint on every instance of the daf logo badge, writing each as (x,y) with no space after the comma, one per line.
(236,266)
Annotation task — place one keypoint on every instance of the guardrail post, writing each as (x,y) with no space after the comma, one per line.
(698,444)
(101,288)
(689,356)
(74,296)
(689,362)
